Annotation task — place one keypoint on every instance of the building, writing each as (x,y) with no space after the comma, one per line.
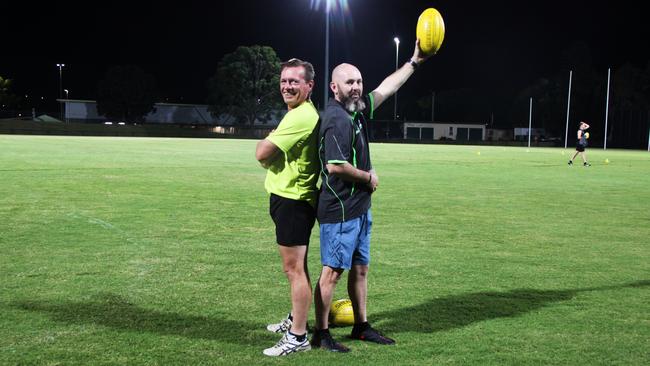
(521,133)
(85,111)
(444,131)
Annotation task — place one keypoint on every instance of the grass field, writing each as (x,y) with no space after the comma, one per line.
(161,252)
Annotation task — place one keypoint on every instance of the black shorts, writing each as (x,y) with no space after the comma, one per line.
(293,220)
(580,147)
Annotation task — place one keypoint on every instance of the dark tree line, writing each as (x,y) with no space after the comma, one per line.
(245,88)
(127,93)
(7,98)
(629,103)
(246,84)
(628,117)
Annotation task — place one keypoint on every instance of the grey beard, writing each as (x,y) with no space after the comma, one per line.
(354,106)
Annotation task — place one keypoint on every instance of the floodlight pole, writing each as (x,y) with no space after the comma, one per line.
(66,109)
(530,120)
(568,105)
(327,54)
(606,109)
(60,66)
(433,107)
(396,40)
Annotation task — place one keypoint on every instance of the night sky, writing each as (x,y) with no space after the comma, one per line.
(499,45)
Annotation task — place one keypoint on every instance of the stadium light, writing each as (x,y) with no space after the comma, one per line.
(330,5)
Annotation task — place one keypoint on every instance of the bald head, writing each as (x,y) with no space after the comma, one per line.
(345,71)
(347,86)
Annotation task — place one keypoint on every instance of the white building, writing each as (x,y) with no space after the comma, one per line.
(444,131)
(521,133)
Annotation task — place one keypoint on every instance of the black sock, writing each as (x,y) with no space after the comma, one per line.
(360,327)
(299,338)
(322,332)
(290,317)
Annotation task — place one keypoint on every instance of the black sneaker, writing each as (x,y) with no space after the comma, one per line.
(324,340)
(369,334)
(586,164)
(570,162)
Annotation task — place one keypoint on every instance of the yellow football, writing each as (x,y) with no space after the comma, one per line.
(430,31)
(586,135)
(341,313)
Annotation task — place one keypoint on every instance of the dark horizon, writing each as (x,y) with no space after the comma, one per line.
(493,49)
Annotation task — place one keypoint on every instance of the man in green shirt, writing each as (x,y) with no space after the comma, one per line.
(290,155)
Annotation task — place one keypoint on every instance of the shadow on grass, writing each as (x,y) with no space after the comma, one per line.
(462,310)
(116,312)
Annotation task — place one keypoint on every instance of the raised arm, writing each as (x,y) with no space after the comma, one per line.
(395,80)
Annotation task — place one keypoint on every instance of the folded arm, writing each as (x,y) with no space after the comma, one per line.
(266,152)
(349,173)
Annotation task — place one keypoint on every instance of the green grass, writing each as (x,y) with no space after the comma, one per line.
(161,252)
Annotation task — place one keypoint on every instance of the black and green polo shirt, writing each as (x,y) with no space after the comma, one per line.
(343,138)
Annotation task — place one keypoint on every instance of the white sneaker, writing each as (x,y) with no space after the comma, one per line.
(281,327)
(287,345)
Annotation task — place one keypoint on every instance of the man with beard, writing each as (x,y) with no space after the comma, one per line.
(290,156)
(348,180)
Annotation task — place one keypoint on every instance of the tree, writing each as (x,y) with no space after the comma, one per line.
(469,105)
(550,96)
(629,106)
(4,89)
(8,100)
(126,93)
(549,105)
(245,85)
(4,85)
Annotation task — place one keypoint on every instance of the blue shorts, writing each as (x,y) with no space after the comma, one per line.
(346,243)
